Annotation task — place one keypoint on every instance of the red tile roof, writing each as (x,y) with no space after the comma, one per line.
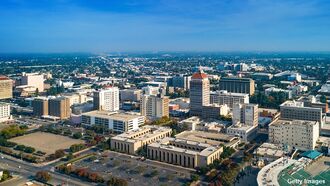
(199,75)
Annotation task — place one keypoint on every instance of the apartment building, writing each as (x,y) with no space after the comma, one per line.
(106,99)
(154,107)
(40,106)
(296,134)
(59,107)
(118,122)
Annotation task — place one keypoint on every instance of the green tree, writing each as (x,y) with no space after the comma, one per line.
(77,135)
(43,176)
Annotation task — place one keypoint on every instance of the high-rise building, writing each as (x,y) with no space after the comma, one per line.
(59,107)
(150,90)
(246,114)
(181,81)
(34,80)
(296,134)
(238,85)
(199,93)
(4,112)
(6,87)
(106,99)
(296,110)
(40,106)
(154,106)
(130,95)
(76,98)
(224,97)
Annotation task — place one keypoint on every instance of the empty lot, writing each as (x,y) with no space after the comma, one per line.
(46,142)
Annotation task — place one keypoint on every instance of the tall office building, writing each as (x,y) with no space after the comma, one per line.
(238,85)
(40,106)
(130,95)
(106,99)
(296,110)
(6,87)
(59,107)
(224,97)
(34,80)
(181,81)
(246,114)
(154,106)
(199,93)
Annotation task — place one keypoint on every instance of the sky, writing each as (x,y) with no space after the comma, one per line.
(52,26)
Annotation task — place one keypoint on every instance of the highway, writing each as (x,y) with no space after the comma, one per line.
(28,170)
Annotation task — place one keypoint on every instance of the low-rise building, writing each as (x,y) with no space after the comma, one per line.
(184,152)
(288,93)
(214,111)
(246,133)
(269,152)
(131,141)
(118,122)
(191,148)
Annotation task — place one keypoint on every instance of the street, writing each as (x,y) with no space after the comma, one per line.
(27,171)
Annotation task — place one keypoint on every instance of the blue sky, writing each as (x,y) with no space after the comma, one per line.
(164,25)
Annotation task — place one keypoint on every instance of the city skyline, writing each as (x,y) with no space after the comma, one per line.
(113,26)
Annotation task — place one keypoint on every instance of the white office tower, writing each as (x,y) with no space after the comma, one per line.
(106,99)
(246,114)
(4,112)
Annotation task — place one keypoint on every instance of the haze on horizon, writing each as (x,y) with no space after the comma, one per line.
(164,25)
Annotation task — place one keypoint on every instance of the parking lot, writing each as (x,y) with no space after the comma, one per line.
(134,170)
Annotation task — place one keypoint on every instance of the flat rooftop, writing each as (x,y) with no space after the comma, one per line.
(167,143)
(206,137)
(293,104)
(270,149)
(152,131)
(226,93)
(111,115)
(293,122)
(242,127)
